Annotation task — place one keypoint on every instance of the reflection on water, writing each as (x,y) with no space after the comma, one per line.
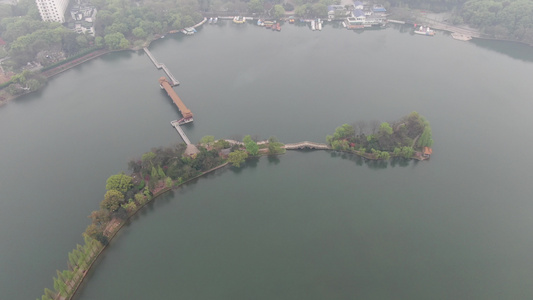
(515,50)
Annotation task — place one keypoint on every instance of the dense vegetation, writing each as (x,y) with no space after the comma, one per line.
(119,25)
(512,19)
(504,19)
(155,172)
(377,140)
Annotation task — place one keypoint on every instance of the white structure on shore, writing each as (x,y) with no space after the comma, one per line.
(52,10)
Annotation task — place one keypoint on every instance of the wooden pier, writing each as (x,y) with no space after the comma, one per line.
(161,66)
(185,112)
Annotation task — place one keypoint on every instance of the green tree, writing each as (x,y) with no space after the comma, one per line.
(255,6)
(112,200)
(221,144)
(425,139)
(207,140)
(160,172)
(251,145)
(114,40)
(340,145)
(385,128)
(168,182)
(119,182)
(139,33)
(343,132)
(274,146)
(154,175)
(279,11)
(407,152)
(147,159)
(140,198)
(237,157)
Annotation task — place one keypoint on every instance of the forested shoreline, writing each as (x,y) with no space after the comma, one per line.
(156,172)
(33,45)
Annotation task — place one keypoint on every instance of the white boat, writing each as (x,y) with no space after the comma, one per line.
(425,30)
(239,20)
(313,26)
(215,20)
(210,21)
(319,24)
(188,31)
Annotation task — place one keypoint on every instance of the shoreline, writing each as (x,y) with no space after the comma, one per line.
(90,56)
(124,222)
(163,191)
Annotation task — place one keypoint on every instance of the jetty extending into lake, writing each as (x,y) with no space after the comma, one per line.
(161,66)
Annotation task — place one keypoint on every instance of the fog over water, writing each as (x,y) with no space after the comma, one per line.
(308,225)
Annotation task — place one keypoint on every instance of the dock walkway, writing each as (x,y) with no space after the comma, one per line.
(176,125)
(161,66)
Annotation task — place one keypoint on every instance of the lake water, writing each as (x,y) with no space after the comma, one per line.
(309,225)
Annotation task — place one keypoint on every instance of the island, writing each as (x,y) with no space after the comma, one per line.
(409,137)
(163,169)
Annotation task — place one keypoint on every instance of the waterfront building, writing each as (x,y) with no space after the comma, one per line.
(337,12)
(52,10)
(83,16)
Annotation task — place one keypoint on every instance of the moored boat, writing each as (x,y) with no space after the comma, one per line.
(268,24)
(188,31)
(425,30)
(313,25)
(239,20)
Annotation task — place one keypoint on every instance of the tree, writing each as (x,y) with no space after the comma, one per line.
(274,146)
(160,172)
(237,157)
(221,144)
(425,139)
(154,175)
(385,128)
(343,132)
(33,84)
(140,198)
(114,40)
(255,6)
(99,217)
(119,182)
(147,159)
(340,145)
(279,11)
(168,182)
(139,33)
(112,200)
(251,146)
(407,152)
(207,140)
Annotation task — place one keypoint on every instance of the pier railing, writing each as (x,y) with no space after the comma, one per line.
(161,66)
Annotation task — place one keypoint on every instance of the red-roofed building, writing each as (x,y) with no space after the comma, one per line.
(427,151)
(2,42)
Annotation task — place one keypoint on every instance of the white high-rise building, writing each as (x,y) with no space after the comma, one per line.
(52,10)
